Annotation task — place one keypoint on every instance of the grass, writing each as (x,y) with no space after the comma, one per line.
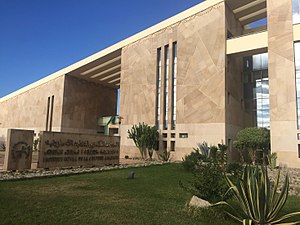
(107,198)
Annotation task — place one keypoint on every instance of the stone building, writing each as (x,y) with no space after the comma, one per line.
(201,75)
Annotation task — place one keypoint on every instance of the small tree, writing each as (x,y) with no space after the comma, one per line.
(144,137)
(253,139)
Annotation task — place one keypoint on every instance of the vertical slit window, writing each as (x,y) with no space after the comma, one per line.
(174,85)
(47,115)
(297,65)
(158,87)
(166,88)
(51,113)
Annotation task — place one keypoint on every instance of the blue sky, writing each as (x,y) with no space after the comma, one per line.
(39,37)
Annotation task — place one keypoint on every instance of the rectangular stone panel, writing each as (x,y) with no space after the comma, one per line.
(70,150)
(18,152)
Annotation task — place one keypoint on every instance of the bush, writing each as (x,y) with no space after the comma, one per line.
(208,182)
(255,143)
(209,166)
(190,161)
(3,147)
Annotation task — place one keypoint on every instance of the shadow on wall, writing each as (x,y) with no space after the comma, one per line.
(2,143)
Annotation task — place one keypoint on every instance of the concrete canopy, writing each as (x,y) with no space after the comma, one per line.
(248,11)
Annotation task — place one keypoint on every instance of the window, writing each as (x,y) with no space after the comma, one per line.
(165,145)
(297,65)
(166,89)
(183,135)
(172,146)
(296,11)
(256,89)
(49,113)
(174,86)
(158,87)
(298,151)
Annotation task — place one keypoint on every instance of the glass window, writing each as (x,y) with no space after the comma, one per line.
(296,11)
(174,85)
(166,96)
(297,66)
(260,61)
(158,87)
(256,90)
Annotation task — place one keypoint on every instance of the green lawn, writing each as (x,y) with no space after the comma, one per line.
(107,198)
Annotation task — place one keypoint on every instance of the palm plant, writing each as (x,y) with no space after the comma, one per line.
(258,201)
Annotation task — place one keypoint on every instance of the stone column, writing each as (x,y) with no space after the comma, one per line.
(282,82)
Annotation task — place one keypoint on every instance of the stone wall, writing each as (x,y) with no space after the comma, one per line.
(200,81)
(28,110)
(85,102)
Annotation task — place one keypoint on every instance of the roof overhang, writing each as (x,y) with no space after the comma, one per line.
(248,11)
(105,70)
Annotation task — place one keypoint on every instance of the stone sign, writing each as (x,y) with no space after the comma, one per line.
(18,153)
(68,149)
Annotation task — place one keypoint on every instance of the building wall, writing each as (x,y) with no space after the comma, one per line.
(29,109)
(282,82)
(232,24)
(84,102)
(200,81)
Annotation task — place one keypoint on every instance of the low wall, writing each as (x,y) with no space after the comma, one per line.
(68,149)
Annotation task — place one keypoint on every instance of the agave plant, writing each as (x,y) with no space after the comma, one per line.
(258,201)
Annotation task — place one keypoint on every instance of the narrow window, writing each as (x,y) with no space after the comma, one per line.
(166,88)
(298,151)
(165,145)
(47,114)
(297,65)
(172,145)
(174,85)
(51,114)
(158,87)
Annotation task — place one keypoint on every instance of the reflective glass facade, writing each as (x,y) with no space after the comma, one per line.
(256,89)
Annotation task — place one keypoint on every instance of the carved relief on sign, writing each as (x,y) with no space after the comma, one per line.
(66,149)
(21,150)
(18,153)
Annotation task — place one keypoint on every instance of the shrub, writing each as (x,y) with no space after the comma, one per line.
(3,147)
(165,156)
(208,182)
(209,165)
(255,142)
(190,161)
(258,201)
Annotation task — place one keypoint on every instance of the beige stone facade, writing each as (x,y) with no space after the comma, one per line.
(213,39)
